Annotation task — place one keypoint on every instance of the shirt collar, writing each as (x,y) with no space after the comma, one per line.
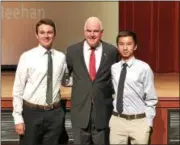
(87,47)
(43,50)
(129,62)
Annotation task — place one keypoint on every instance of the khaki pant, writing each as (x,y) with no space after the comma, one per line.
(137,130)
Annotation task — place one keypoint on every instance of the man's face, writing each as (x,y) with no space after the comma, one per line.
(126,47)
(93,33)
(45,35)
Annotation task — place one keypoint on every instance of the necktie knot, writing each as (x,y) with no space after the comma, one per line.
(48,52)
(125,65)
(92,48)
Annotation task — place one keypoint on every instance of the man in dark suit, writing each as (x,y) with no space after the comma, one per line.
(90,62)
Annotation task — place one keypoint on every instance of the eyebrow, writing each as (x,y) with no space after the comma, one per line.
(96,30)
(125,42)
(46,31)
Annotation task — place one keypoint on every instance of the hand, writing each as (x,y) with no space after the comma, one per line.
(20,128)
(151,129)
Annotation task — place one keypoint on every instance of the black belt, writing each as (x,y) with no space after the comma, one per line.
(43,107)
(130,117)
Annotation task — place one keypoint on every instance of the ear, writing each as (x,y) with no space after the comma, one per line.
(135,48)
(102,32)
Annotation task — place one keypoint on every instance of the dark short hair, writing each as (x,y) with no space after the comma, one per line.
(46,21)
(124,33)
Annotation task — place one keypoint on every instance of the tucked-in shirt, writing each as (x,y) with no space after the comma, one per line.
(31,79)
(87,53)
(139,91)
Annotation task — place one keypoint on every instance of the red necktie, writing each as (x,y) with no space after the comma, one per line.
(92,64)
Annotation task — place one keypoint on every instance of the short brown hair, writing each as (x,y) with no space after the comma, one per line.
(46,21)
(124,33)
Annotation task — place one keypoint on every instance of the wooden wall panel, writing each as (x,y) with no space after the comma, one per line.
(160,128)
(159,135)
(160,124)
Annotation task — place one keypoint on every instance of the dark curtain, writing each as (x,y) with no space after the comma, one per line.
(157,25)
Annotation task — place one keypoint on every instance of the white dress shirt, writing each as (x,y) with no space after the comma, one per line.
(31,79)
(139,91)
(87,53)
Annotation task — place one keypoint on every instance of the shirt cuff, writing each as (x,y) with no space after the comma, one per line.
(150,122)
(18,119)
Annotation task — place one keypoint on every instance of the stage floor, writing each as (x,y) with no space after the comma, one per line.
(167,85)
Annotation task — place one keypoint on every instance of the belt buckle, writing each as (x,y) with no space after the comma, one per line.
(135,116)
(129,117)
(49,107)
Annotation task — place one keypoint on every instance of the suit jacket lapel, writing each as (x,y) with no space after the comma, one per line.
(82,59)
(103,58)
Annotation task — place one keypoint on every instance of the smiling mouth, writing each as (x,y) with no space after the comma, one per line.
(46,40)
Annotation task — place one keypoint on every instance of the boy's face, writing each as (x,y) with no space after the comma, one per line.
(126,47)
(45,35)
